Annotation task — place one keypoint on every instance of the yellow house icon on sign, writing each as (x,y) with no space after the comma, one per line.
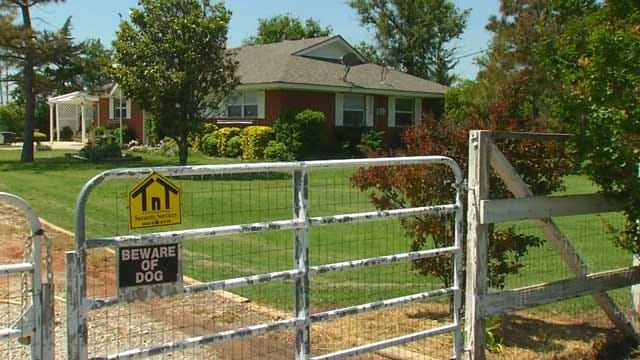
(154,201)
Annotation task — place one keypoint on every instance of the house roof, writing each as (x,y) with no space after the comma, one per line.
(281,63)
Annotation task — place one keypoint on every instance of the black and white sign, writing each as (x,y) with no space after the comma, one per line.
(156,267)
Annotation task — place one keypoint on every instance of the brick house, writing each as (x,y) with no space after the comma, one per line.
(302,74)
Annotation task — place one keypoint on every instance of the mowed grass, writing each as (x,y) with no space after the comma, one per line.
(52,184)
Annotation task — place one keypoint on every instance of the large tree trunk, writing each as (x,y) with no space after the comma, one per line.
(29,97)
(183,150)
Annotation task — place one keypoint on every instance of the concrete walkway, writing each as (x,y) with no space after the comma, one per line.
(57,145)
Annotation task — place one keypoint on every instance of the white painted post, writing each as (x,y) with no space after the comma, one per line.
(51,123)
(74,331)
(301,258)
(57,121)
(477,243)
(83,125)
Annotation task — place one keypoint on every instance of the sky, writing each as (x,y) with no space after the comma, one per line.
(100,18)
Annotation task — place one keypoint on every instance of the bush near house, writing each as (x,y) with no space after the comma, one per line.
(39,137)
(128,134)
(66,134)
(233,148)
(101,148)
(302,132)
(277,151)
(224,135)
(255,140)
(209,144)
(11,118)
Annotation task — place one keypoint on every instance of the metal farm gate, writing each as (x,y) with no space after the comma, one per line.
(169,246)
(26,307)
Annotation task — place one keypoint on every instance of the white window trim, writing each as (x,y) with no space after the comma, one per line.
(126,105)
(396,111)
(367,112)
(241,101)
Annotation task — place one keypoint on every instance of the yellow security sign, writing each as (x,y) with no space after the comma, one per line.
(154,201)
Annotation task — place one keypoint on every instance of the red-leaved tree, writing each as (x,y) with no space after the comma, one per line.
(542,165)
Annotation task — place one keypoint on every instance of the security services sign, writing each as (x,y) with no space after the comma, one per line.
(154,201)
(149,271)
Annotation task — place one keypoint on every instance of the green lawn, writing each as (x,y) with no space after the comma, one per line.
(52,183)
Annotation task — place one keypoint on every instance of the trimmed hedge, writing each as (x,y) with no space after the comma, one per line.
(234,147)
(301,132)
(39,137)
(66,134)
(254,141)
(277,151)
(209,144)
(224,135)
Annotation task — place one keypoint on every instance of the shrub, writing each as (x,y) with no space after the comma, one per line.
(11,118)
(168,147)
(66,134)
(128,134)
(371,140)
(209,144)
(151,131)
(234,147)
(277,151)
(195,140)
(301,132)
(102,148)
(98,131)
(39,137)
(254,140)
(224,135)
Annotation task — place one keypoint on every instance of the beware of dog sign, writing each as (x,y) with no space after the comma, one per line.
(148,271)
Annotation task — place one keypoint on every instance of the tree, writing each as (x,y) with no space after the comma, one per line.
(518,31)
(285,27)
(172,60)
(541,164)
(26,48)
(595,62)
(414,36)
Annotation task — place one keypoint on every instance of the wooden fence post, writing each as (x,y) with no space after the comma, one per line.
(477,243)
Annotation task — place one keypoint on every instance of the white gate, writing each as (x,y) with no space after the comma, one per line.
(79,303)
(32,322)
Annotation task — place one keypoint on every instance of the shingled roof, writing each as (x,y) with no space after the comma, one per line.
(277,64)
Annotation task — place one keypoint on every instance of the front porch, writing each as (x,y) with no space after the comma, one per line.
(76,111)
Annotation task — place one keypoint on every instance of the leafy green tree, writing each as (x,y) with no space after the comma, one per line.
(415,35)
(517,31)
(595,62)
(24,47)
(286,27)
(172,60)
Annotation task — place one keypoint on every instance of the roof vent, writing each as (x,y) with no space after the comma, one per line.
(348,60)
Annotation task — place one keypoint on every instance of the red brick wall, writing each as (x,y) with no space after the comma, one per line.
(135,122)
(276,101)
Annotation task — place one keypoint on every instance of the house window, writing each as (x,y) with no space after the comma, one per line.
(119,109)
(354,110)
(243,105)
(404,112)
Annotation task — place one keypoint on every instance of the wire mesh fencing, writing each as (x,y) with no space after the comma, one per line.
(16,293)
(569,329)
(216,200)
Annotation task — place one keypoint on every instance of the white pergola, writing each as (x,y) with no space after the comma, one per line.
(79,100)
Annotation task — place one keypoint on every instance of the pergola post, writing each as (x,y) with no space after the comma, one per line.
(57,121)
(51,123)
(83,126)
